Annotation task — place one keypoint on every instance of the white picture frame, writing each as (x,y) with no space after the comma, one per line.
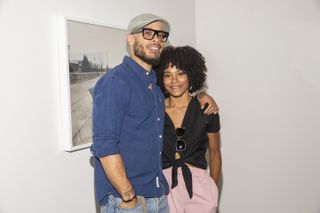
(87,49)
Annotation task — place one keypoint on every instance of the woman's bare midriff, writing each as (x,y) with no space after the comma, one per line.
(177,156)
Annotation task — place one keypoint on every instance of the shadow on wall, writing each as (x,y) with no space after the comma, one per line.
(1,3)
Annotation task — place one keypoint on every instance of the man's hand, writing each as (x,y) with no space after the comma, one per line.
(128,195)
(204,99)
(130,204)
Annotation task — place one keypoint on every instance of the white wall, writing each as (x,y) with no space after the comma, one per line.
(264,71)
(263,58)
(35,174)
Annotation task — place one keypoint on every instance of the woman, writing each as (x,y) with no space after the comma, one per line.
(188,132)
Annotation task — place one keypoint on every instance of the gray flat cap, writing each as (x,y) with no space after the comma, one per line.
(142,20)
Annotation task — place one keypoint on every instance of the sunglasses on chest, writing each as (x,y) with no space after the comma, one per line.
(180,143)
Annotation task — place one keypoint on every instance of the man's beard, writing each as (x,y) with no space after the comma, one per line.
(138,51)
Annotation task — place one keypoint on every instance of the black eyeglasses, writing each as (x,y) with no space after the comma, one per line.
(149,34)
(180,143)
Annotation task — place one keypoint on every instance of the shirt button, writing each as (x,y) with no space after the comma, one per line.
(160,136)
(158,119)
(160,153)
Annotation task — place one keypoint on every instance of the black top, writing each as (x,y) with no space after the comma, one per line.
(197,125)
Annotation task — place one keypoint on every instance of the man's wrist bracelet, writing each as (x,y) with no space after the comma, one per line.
(129,196)
(134,197)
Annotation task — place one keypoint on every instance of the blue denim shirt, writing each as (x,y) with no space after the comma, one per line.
(128,119)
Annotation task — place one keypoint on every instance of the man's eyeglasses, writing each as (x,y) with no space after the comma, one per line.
(180,143)
(149,34)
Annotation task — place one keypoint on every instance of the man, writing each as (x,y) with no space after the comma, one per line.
(128,118)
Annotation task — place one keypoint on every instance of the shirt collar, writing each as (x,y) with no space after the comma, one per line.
(148,77)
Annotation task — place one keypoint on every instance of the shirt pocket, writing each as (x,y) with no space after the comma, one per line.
(141,105)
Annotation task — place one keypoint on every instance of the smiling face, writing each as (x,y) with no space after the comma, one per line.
(175,81)
(147,52)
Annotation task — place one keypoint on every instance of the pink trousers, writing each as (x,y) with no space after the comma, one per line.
(205,193)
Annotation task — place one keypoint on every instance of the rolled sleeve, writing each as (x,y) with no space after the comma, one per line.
(110,100)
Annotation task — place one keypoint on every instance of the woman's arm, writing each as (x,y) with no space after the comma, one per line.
(214,156)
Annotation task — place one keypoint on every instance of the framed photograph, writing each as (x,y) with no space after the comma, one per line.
(87,50)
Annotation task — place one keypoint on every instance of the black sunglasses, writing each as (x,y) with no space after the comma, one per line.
(149,34)
(180,143)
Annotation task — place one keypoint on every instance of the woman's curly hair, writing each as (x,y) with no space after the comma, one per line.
(184,58)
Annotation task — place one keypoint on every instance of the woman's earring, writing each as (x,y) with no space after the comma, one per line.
(190,88)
